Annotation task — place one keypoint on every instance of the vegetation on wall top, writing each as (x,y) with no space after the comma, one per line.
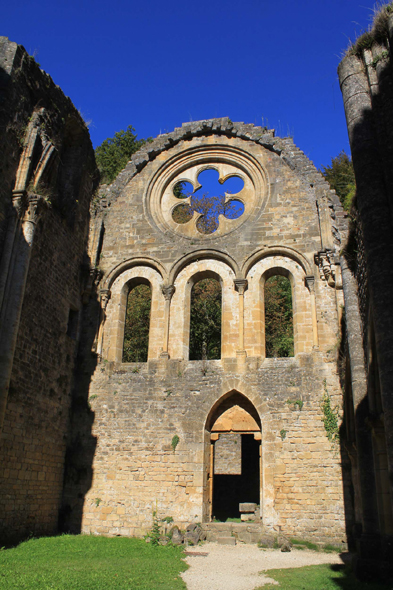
(341,177)
(378,33)
(114,153)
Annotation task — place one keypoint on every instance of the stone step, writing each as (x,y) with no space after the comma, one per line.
(243,532)
(226,540)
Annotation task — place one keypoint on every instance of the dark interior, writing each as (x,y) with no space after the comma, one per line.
(230,490)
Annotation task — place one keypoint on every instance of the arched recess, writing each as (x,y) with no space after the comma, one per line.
(179,329)
(232,458)
(254,305)
(282,315)
(137,321)
(116,312)
(205,331)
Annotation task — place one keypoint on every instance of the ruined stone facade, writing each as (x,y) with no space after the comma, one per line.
(367,86)
(123,465)
(159,435)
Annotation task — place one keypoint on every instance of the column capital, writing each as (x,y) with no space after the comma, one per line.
(36,205)
(18,202)
(241,285)
(310,283)
(168,291)
(105,295)
(325,260)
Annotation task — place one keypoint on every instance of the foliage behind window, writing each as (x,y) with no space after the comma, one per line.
(278,317)
(136,332)
(205,323)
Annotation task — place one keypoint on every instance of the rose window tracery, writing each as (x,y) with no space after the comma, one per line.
(210,199)
(207,193)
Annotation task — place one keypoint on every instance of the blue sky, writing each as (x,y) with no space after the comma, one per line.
(155,65)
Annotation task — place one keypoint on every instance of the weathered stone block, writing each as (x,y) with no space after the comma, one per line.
(247,507)
(226,540)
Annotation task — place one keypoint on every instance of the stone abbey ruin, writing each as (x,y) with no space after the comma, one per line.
(93,442)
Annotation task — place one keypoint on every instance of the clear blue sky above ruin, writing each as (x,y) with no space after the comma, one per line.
(156,64)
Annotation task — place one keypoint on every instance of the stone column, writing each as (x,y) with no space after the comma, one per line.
(105,295)
(14,293)
(14,217)
(241,286)
(167,292)
(310,284)
(211,478)
(339,292)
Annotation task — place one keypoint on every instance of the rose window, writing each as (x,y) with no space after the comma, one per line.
(208,201)
(207,193)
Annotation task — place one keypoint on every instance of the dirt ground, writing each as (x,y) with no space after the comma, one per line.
(241,567)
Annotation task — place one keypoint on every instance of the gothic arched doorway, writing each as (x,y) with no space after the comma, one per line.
(232,457)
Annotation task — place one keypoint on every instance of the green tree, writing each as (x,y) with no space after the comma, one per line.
(204,206)
(205,322)
(114,153)
(278,317)
(136,332)
(341,177)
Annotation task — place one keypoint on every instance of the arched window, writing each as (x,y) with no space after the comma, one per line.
(278,317)
(137,323)
(205,320)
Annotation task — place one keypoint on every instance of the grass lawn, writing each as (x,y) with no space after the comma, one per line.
(319,577)
(90,563)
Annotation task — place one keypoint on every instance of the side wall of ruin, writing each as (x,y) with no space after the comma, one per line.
(367,86)
(48,174)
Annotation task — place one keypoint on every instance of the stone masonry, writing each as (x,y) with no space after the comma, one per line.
(48,175)
(366,80)
(90,443)
(121,463)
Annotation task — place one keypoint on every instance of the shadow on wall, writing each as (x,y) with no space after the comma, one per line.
(368,283)
(78,470)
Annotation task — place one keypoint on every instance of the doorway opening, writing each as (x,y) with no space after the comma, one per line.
(230,490)
(233,467)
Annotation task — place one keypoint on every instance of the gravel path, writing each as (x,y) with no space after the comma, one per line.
(238,568)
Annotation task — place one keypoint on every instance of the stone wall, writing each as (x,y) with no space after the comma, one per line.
(228,454)
(63,299)
(367,85)
(125,466)
(135,468)
(48,175)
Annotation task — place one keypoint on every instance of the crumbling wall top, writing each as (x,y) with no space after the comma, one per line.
(283,147)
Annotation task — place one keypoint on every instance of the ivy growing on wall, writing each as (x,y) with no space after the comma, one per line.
(330,416)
